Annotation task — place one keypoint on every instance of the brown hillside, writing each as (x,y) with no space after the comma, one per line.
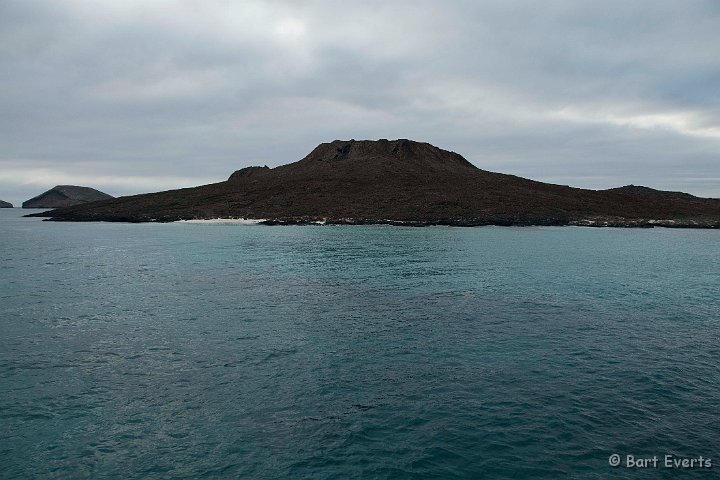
(400,181)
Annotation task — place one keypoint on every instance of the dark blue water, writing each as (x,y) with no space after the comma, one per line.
(215,351)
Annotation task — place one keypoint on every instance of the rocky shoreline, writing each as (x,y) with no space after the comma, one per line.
(592,223)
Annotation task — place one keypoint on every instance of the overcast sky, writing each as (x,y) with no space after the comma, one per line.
(134,96)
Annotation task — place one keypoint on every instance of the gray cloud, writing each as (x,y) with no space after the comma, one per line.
(137,96)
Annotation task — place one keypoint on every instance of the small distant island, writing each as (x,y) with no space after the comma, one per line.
(399,182)
(5,204)
(66,196)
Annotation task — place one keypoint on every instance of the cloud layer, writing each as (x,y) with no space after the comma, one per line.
(138,96)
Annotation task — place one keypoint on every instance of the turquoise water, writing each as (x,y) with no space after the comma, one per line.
(216,351)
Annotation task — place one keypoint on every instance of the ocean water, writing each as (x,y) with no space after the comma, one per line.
(241,351)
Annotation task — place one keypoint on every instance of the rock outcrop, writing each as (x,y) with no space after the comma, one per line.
(5,204)
(405,183)
(66,196)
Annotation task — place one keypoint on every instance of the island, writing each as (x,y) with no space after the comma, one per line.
(399,182)
(5,204)
(65,196)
